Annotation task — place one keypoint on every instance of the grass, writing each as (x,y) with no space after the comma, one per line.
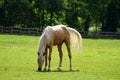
(99,60)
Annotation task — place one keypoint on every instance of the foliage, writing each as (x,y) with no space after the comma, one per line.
(99,60)
(40,13)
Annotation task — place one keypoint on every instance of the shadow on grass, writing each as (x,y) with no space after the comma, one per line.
(59,71)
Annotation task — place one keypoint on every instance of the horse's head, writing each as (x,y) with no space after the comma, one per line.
(40,61)
(41,51)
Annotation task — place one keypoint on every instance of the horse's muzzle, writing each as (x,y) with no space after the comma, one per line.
(39,69)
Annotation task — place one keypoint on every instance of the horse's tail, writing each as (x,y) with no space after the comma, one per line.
(75,38)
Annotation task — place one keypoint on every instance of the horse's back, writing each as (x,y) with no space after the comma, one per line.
(60,34)
(56,34)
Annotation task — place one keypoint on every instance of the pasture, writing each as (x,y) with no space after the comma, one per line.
(99,60)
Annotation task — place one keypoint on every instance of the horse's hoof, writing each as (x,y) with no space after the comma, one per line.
(71,70)
(39,69)
(58,69)
(49,70)
(45,69)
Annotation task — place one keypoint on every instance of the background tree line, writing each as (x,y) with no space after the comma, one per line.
(98,15)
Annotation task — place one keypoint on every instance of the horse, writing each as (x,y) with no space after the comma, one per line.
(56,36)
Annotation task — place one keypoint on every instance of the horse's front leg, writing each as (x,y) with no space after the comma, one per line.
(49,58)
(45,59)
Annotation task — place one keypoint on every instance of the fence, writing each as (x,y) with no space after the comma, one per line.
(35,31)
(24,31)
(101,34)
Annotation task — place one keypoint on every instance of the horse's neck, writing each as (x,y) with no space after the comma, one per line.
(42,44)
(48,35)
(45,38)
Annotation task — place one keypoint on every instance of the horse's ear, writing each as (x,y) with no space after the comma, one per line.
(38,53)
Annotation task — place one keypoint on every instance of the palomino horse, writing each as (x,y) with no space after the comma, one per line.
(57,35)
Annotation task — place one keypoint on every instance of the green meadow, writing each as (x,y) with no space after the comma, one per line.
(99,60)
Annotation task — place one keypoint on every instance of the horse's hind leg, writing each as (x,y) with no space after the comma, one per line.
(60,56)
(69,53)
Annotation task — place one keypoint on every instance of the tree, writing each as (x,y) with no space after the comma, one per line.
(2,17)
(73,16)
(112,17)
(54,8)
(80,14)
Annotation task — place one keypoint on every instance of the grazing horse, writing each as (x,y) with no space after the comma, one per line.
(57,35)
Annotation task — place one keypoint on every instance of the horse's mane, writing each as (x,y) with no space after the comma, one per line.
(41,47)
(46,35)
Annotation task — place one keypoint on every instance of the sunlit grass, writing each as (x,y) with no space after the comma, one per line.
(99,60)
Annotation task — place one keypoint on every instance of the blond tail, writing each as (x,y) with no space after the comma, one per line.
(75,38)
